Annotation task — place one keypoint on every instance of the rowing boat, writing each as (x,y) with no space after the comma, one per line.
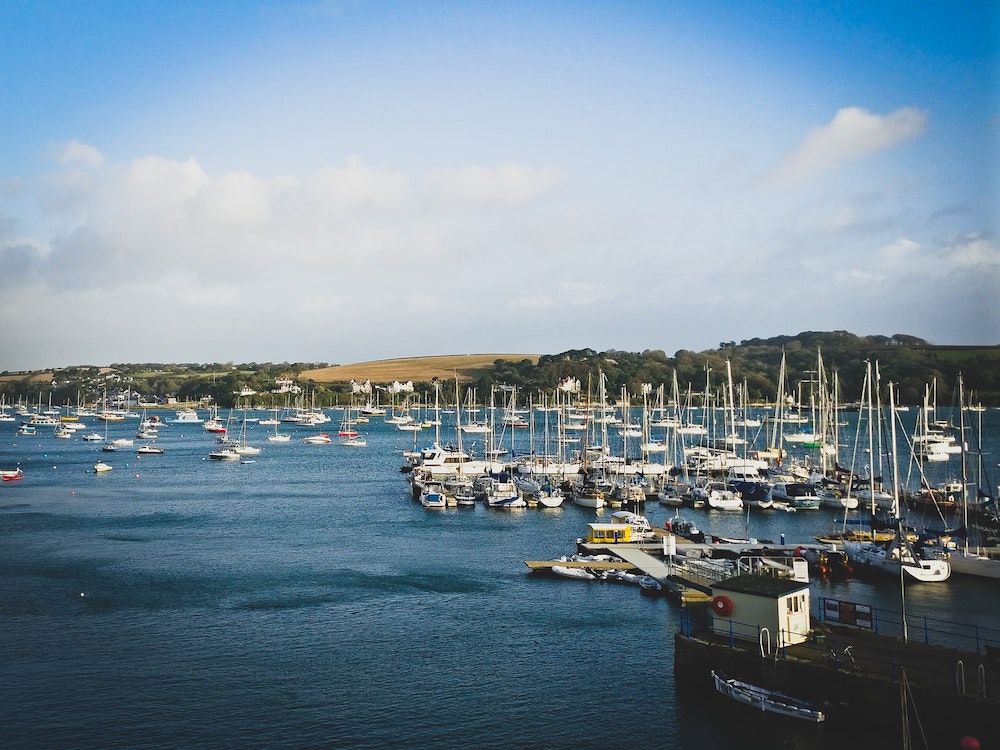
(767,700)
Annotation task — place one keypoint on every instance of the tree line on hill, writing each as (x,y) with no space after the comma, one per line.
(912,364)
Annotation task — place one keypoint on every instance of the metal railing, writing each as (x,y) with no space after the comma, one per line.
(884,659)
(923,629)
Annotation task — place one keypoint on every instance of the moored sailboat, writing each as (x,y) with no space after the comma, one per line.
(897,556)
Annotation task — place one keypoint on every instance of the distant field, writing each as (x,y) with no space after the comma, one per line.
(418,369)
(35,377)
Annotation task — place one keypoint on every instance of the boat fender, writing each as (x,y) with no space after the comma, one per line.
(722,606)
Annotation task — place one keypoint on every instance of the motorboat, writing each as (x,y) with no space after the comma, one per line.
(441,461)
(724,499)
(715,495)
(649,586)
(43,420)
(186,416)
(461,489)
(102,468)
(798,495)
(320,438)
(432,495)
(684,528)
(149,450)
(670,496)
(751,484)
(225,454)
(639,524)
(503,493)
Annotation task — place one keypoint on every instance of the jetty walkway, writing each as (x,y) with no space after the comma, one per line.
(675,580)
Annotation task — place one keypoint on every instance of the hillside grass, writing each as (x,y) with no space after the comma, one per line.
(468,367)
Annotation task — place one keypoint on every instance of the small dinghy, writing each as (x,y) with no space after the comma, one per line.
(572,572)
(767,700)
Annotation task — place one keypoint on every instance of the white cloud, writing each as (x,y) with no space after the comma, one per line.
(858,276)
(155,216)
(900,251)
(967,255)
(239,198)
(355,185)
(975,252)
(79,154)
(165,179)
(508,183)
(853,133)
(533,302)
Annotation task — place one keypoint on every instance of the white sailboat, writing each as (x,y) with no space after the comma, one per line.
(348,434)
(277,437)
(969,559)
(242,447)
(898,556)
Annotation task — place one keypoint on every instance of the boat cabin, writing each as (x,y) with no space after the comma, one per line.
(633,520)
(609,533)
(744,605)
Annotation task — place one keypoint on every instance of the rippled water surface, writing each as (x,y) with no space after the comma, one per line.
(304,600)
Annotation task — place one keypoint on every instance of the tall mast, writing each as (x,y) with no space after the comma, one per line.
(961,438)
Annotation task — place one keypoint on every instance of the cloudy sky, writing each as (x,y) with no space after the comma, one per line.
(347,180)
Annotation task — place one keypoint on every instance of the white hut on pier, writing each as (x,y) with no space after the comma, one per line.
(747,607)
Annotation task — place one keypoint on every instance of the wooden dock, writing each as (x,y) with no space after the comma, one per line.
(631,558)
(592,564)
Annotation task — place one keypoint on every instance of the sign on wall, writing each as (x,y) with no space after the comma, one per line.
(848,613)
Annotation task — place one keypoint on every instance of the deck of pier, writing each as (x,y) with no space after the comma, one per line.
(630,558)
(676,587)
(858,674)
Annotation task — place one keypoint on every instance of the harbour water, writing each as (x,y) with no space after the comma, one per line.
(304,600)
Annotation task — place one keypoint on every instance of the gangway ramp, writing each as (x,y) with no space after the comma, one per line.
(648,564)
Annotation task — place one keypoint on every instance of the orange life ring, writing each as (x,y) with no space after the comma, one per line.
(722,606)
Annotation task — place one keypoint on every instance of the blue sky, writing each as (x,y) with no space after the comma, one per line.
(346,181)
